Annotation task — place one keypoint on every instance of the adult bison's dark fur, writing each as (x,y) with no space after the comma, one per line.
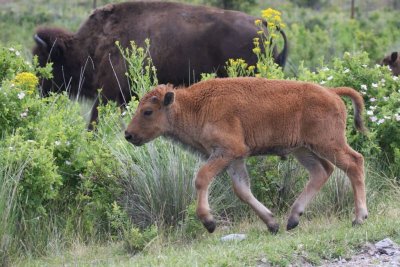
(393,61)
(185,41)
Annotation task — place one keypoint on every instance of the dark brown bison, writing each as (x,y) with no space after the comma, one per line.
(230,119)
(393,61)
(185,41)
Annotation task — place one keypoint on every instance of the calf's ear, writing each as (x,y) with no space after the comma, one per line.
(393,57)
(168,98)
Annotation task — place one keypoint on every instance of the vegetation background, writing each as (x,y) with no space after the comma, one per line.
(72,197)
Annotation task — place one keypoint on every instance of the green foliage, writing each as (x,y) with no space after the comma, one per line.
(137,240)
(141,71)
(191,225)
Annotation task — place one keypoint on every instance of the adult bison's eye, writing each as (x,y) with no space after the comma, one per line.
(147,112)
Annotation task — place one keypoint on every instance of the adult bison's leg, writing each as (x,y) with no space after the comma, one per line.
(241,185)
(352,163)
(320,170)
(207,172)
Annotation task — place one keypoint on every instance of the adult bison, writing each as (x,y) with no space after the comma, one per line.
(185,41)
(393,61)
(230,119)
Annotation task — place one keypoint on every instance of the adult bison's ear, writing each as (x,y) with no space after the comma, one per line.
(168,98)
(393,57)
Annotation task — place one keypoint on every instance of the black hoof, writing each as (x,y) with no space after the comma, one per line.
(292,223)
(210,226)
(274,228)
(356,223)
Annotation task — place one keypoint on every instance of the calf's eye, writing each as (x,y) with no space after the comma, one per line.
(147,112)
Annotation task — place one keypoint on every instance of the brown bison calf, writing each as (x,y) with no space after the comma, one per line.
(230,119)
(393,61)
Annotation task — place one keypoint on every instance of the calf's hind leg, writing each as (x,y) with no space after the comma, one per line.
(319,170)
(352,163)
(241,185)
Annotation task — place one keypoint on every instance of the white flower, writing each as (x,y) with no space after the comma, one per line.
(372,107)
(322,82)
(325,69)
(383,81)
(67,162)
(57,143)
(364,87)
(67,143)
(375,85)
(329,78)
(21,95)
(373,119)
(363,93)
(385,98)
(17,53)
(395,78)
(123,113)
(12,85)
(11,148)
(11,49)
(386,117)
(373,99)
(380,121)
(346,70)
(364,65)
(30,141)
(24,114)
(397,117)
(377,66)
(370,112)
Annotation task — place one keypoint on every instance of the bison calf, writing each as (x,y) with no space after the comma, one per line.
(230,119)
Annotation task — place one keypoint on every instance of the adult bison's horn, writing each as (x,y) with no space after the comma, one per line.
(40,41)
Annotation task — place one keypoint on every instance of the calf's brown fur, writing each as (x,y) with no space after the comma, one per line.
(230,119)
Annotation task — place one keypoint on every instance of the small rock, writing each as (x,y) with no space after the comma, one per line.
(231,237)
(386,246)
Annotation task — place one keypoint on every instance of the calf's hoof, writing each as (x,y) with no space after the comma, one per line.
(273,228)
(359,221)
(210,225)
(292,223)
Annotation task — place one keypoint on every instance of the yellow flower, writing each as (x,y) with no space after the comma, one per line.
(251,68)
(269,13)
(256,50)
(260,32)
(258,22)
(27,81)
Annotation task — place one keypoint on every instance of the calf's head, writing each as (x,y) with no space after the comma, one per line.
(151,117)
(393,61)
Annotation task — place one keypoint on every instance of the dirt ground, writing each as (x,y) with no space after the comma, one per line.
(384,253)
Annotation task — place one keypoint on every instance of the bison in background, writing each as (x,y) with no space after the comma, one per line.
(230,119)
(185,41)
(393,61)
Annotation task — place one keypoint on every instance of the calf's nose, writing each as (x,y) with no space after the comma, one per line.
(128,136)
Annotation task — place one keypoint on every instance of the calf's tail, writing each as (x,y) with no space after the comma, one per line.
(358,104)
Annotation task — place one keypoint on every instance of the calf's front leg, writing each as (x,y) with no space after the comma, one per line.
(241,185)
(207,172)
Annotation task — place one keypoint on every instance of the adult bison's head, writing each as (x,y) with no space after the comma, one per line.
(393,61)
(151,117)
(53,45)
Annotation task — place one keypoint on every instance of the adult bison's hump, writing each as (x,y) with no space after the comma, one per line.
(179,34)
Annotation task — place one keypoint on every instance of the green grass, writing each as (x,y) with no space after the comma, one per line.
(313,241)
